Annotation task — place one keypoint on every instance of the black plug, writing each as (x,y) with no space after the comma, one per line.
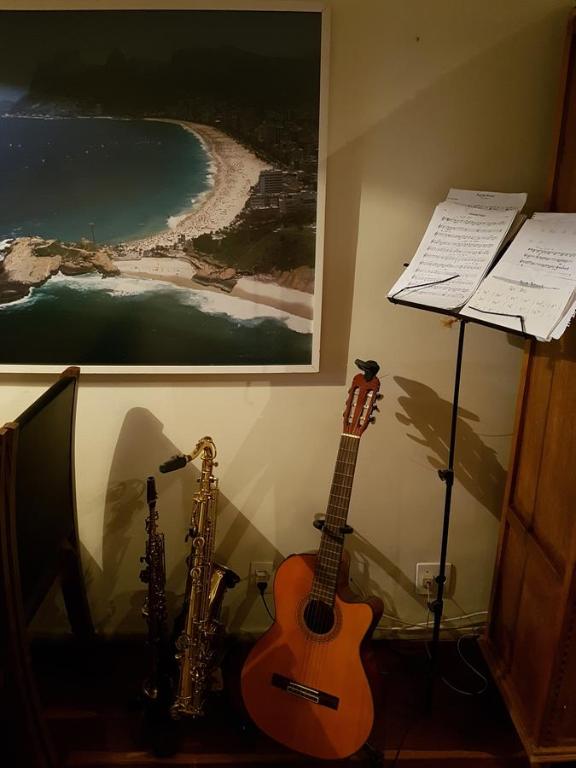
(262,585)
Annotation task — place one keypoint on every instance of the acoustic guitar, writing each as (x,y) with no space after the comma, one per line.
(304,683)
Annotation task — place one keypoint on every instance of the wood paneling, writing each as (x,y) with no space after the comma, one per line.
(529,448)
(531,639)
(536,635)
(554,517)
(505,613)
(561,725)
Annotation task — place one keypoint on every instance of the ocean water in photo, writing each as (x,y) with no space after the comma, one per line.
(58,177)
(91,320)
(125,177)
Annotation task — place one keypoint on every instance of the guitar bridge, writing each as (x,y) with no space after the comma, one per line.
(304,691)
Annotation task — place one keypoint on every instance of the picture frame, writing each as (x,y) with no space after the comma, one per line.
(163,204)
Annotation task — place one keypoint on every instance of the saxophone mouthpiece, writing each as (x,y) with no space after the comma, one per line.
(174,462)
(150,490)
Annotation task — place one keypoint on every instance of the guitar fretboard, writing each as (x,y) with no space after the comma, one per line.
(332,542)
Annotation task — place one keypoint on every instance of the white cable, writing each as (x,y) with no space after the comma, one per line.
(404,624)
(466,662)
(472,668)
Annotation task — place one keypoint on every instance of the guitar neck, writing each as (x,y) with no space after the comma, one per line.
(332,542)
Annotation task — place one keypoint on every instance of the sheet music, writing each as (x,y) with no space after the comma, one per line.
(566,320)
(556,222)
(531,309)
(566,223)
(554,216)
(504,201)
(457,249)
(535,280)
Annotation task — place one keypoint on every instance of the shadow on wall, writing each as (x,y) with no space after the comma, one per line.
(245,596)
(51,617)
(364,556)
(476,465)
(142,446)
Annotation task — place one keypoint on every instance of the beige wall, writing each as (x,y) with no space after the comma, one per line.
(423,96)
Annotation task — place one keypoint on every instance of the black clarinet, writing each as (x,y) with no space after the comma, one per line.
(158,685)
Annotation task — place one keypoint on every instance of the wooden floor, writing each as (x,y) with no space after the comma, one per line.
(92,708)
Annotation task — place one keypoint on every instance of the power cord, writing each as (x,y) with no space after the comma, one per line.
(262,589)
(401,624)
(470,666)
(446,682)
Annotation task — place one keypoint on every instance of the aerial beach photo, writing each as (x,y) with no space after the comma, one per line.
(160,212)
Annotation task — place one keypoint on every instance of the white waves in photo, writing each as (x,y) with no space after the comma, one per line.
(209,302)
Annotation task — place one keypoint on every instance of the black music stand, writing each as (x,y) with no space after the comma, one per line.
(446,475)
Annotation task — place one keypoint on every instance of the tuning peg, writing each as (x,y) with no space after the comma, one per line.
(379,397)
(372,419)
(375,408)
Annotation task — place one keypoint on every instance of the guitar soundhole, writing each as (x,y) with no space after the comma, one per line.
(319,617)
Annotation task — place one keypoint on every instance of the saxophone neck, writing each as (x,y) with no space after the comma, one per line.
(206,447)
(208,483)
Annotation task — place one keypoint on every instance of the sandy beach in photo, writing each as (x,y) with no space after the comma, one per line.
(180,272)
(267,292)
(157,268)
(235,170)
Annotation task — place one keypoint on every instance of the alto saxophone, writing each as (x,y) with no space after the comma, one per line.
(198,628)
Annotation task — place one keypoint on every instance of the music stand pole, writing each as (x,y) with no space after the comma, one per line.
(447,476)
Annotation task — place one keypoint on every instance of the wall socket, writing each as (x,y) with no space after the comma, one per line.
(261,571)
(426,574)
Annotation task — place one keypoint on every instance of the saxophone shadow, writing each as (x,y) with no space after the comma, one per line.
(117,593)
(116,590)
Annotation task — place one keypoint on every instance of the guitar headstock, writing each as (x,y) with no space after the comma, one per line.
(362,397)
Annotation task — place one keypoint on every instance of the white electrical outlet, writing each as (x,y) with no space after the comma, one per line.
(426,578)
(261,571)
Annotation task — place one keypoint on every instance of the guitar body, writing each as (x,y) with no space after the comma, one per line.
(304,682)
(307,689)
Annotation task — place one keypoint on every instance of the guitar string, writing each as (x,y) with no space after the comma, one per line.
(320,586)
(321,575)
(330,554)
(339,502)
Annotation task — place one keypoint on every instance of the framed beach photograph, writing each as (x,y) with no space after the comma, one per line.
(162,183)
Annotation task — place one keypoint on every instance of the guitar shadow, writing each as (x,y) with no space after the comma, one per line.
(364,555)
